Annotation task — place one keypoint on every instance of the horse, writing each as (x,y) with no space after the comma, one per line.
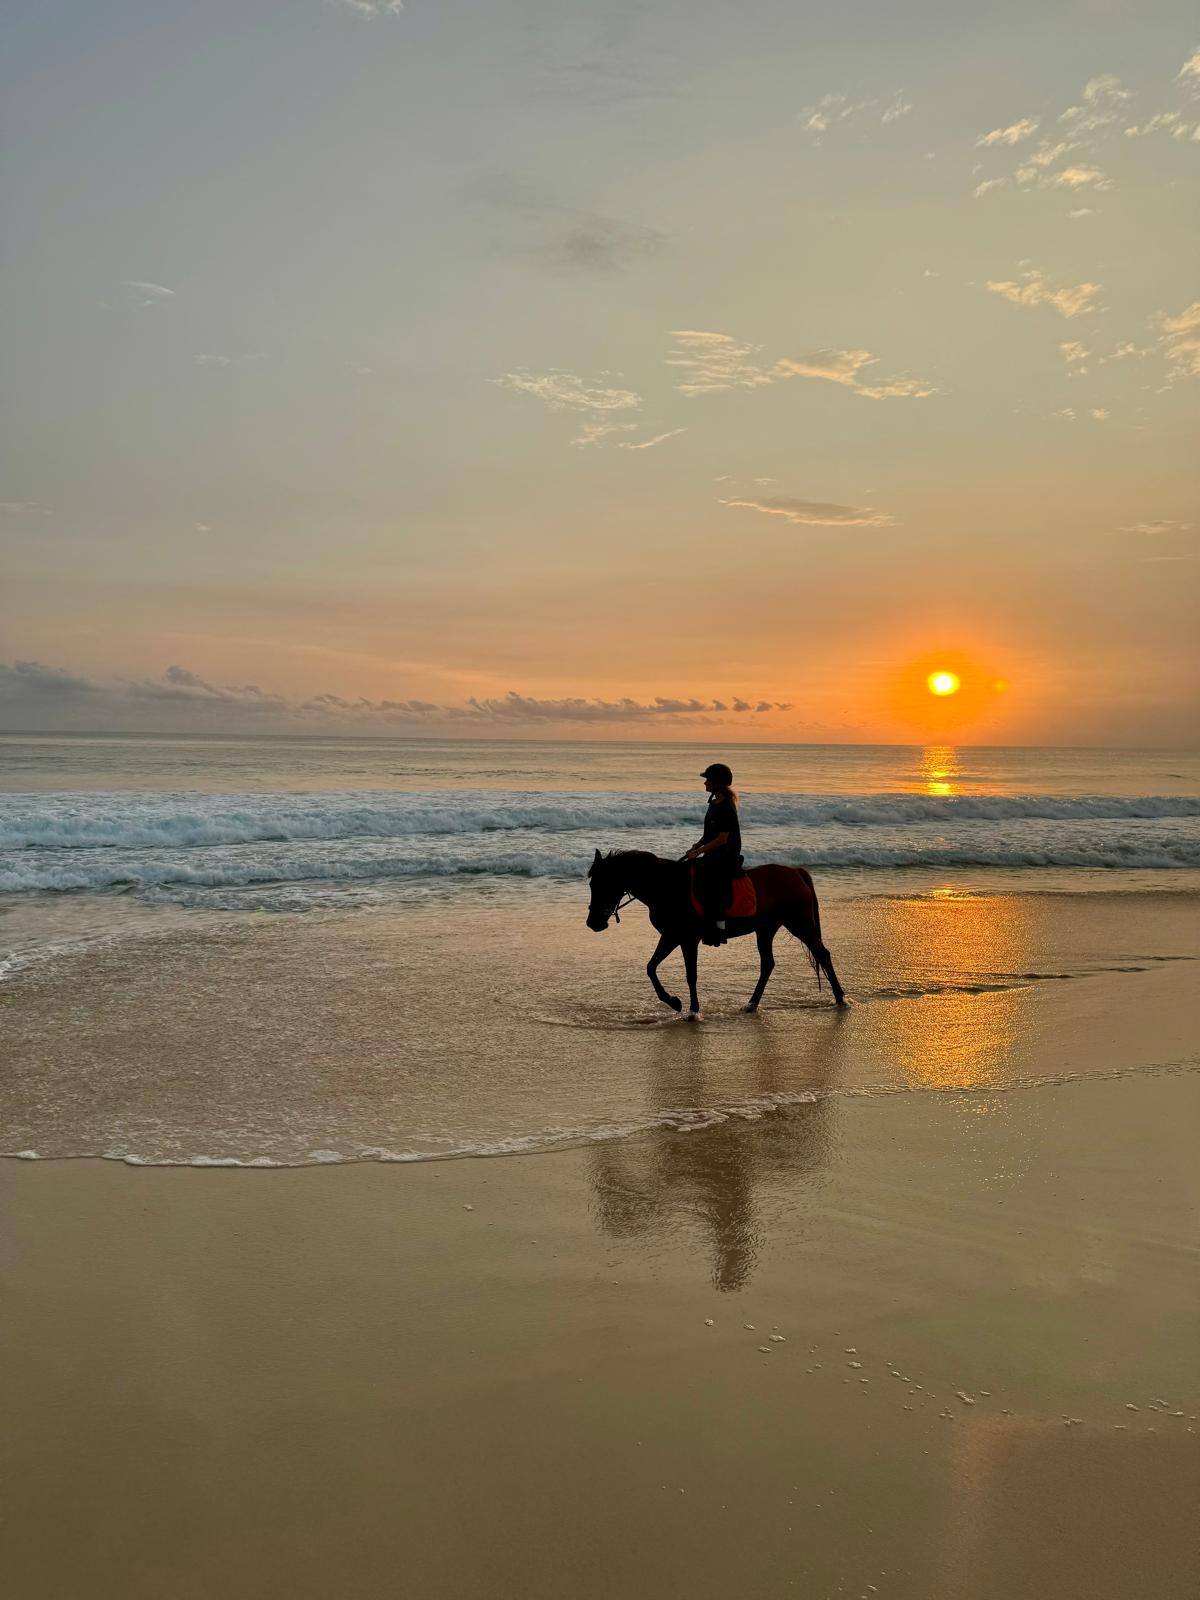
(785,899)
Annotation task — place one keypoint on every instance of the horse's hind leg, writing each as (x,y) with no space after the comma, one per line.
(690,946)
(766,964)
(661,951)
(822,960)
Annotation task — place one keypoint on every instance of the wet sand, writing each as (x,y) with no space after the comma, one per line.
(971,1370)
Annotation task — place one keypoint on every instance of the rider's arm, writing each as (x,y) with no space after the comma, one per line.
(706,845)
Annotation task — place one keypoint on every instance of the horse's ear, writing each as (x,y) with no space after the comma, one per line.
(596,859)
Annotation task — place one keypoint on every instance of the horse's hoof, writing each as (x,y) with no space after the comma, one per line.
(841,1002)
(752,1006)
(675,1003)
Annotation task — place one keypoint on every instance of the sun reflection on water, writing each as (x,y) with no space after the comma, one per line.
(940,769)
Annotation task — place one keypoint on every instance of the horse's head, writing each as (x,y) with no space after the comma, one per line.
(604,875)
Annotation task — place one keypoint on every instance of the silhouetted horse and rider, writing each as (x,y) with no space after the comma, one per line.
(701,897)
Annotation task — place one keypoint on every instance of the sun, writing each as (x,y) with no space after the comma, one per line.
(942,683)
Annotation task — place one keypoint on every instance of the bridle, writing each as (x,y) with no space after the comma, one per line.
(615,913)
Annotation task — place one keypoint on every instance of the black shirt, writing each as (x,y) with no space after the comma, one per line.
(722,817)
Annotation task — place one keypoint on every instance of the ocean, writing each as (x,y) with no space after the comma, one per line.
(278,951)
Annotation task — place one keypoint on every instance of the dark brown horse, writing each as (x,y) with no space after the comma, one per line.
(786,899)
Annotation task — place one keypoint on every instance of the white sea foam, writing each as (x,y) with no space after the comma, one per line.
(189,821)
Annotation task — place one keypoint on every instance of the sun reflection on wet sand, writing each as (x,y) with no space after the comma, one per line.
(958,1033)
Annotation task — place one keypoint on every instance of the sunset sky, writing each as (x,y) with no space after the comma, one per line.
(557,368)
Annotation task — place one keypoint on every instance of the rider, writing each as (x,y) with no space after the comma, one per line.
(719,850)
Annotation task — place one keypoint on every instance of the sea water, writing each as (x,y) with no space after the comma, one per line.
(289,950)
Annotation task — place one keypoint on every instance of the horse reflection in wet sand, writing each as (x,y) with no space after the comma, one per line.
(785,899)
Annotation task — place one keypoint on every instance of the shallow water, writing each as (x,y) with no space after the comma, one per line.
(420,1032)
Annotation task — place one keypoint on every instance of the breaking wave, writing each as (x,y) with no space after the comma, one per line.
(189,821)
(227,851)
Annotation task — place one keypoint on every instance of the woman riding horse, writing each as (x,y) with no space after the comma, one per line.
(719,850)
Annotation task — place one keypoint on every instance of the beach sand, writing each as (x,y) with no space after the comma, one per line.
(916,1345)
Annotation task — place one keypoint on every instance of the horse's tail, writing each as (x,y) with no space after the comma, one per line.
(810,950)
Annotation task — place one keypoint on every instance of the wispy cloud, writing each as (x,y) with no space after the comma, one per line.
(712,362)
(1189,72)
(151,293)
(600,404)
(1032,289)
(1156,527)
(649,444)
(1179,336)
(1099,106)
(370,8)
(832,110)
(815,513)
(24,508)
(1073,352)
(210,359)
(1013,134)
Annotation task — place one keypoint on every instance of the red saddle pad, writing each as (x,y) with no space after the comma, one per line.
(743,904)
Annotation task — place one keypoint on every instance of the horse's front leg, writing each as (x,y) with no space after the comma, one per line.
(690,946)
(766,965)
(661,951)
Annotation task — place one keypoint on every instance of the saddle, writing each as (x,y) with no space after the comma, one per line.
(743,904)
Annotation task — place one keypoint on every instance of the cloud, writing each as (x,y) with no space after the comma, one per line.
(602,244)
(712,362)
(152,293)
(1099,414)
(1013,134)
(649,444)
(1103,98)
(898,108)
(832,109)
(33,694)
(1033,290)
(181,684)
(1161,121)
(1073,352)
(1078,178)
(815,513)
(35,683)
(566,391)
(24,508)
(1189,72)
(1082,211)
(1080,129)
(571,239)
(371,8)
(1179,336)
(521,708)
(1155,528)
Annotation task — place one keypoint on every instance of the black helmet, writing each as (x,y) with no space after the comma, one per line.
(719,773)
